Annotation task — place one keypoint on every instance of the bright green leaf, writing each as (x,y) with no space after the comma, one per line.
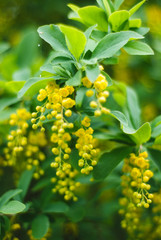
(135,23)
(136,7)
(117,20)
(12,207)
(75,40)
(8,195)
(92,15)
(138,48)
(15,86)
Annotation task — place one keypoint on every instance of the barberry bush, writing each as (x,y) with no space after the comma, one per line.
(77,158)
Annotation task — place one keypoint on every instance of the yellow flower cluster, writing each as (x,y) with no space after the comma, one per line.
(135,179)
(24,150)
(135,190)
(34,154)
(131,217)
(100,92)
(16,138)
(57,102)
(86,147)
(65,184)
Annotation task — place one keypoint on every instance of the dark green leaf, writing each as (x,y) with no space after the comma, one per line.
(56,207)
(155,155)
(24,182)
(40,226)
(108,161)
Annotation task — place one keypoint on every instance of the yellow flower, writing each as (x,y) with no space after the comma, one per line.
(86,82)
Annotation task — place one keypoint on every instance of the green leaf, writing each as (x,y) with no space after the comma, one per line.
(133,107)
(7,101)
(15,86)
(135,23)
(142,30)
(136,7)
(24,182)
(40,226)
(118,3)
(56,207)
(92,72)
(5,114)
(109,80)
(74,7)
(158,140)
(92,15)
(156,131)
(117,20)
(112,43)
(107,7)
(52,35)
(109,160)
(76,80)
(80,96)
(139,136)
(138,48)
(75,40)
(4,47)
(76,213)
(8,195)
(22,74)
(155,155)
(27,49)
(12,207)
(33,85)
